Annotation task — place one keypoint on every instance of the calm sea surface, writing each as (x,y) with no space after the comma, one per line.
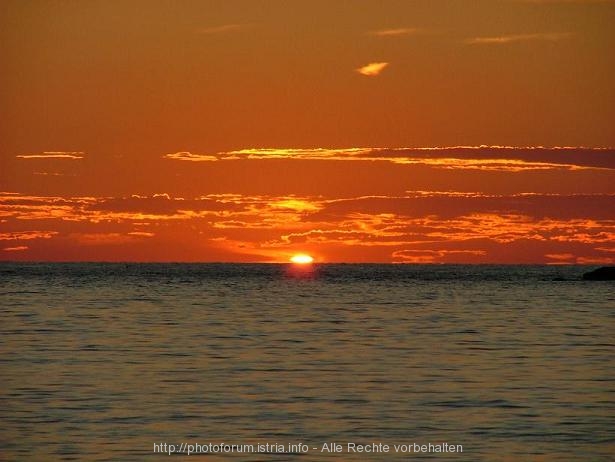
(103,361)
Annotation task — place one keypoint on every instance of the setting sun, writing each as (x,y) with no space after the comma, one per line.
(302,259)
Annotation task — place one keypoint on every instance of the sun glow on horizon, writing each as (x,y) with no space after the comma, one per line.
(302,259)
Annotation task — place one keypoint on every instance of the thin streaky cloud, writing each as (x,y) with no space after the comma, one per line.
(224,28)
(51,174)
(18,248)
(183,155)
(560,256)
(503,39)
(372,69)
(74,155)
(412,228)
(428,255)
(141,234)
(494,158)
(594,261)
(396,32)
(26,235)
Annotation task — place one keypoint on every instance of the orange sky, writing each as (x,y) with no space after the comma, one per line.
(251,131)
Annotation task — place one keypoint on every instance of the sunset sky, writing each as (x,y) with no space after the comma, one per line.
(410,131)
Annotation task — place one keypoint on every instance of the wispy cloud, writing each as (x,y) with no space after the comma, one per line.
(18,248)
(430,256)
(372,69)
(421,226)
(183,155)
(396,32)
(73,155)
(141,234)
(95,239)
(486,158)
(298,205)
(503,39)
(595,260)
(26,235)
(50,174)
(221,29)
(561,257)
(156,208)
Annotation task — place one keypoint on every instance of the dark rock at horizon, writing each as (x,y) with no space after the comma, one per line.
(605,273)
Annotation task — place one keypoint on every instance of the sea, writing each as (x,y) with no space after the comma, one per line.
(275,362)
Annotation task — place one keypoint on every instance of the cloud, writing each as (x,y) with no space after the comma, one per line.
(396,32)
(372,69)
(50,174)
(72,155)
(183,155)
(451,205)
(419,227)
(485,158)
(595,260)
(429,256)
(560,256)
(503,39)
(141,234)
(278,211)
(95,239)
(26,235)
(18,248)
(224,28)
(296,205)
